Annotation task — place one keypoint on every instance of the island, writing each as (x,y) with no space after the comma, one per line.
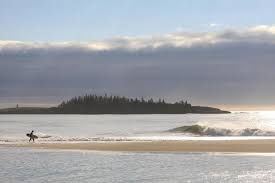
(108,104)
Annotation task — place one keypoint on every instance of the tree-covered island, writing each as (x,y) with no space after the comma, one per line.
(98,104)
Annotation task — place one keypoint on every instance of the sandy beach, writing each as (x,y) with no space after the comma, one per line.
(246,146)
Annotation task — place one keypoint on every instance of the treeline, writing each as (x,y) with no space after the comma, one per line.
(97,104)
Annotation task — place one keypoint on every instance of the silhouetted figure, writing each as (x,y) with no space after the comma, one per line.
(31,136)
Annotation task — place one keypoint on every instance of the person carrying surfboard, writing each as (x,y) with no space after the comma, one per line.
(31,136)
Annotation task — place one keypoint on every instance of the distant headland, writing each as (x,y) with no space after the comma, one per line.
(98,104)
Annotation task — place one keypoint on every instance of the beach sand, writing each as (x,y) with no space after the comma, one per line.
(246,146)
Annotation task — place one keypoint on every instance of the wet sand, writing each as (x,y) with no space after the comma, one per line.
(246,146)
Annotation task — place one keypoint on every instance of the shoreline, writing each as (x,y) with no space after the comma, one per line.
(226,146)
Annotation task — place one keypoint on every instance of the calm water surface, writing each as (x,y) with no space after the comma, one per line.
(27,165)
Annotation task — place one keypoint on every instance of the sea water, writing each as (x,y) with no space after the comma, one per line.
(32,166)
(41,165)
(70,128)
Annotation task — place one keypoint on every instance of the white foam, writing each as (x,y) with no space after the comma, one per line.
(127,139)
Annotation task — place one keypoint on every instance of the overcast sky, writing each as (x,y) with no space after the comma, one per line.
(53,51)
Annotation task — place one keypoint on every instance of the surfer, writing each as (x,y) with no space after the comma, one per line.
(31,136)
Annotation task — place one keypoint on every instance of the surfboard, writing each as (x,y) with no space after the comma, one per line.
(29,135)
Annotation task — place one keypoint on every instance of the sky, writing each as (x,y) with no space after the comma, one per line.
(219,52)
(85,20)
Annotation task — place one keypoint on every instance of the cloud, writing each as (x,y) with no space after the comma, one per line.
(227,66)
(214,25)
(262,33)
(263,29)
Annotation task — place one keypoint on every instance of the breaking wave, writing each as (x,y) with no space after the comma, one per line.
(42,135)
(211,131)
(192,132)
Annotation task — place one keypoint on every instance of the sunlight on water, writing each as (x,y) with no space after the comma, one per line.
(29,165)
(70,128)
(26,165)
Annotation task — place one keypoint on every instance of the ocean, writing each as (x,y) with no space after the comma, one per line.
(74,128)
(44,165)
(36,165)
